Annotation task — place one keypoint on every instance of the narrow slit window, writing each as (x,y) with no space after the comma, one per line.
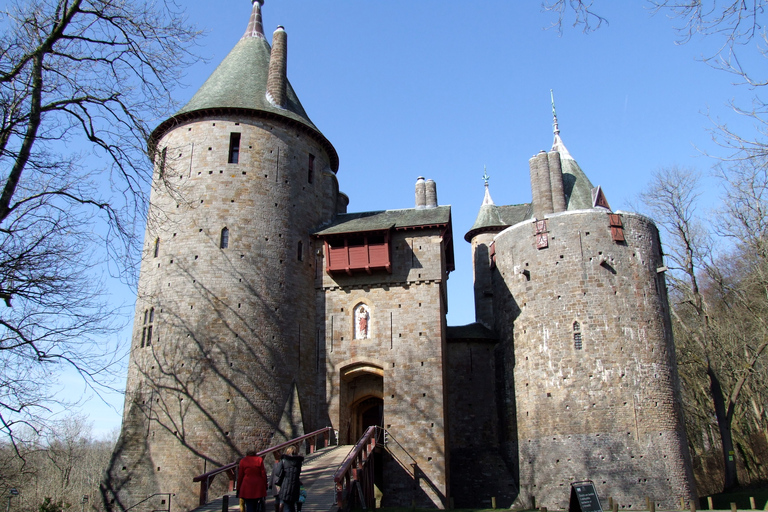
(577,343)
(224,242)
(300,252)
(311,169)
(156,250)
(234,148)
(146,331)
(161,165)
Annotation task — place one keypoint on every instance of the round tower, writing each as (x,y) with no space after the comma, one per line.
(224,352)
(581,310)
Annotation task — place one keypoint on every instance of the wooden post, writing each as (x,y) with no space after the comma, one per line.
(693,505)
(752,502)
(647,503)
(615,507)
(682,503)
(733,507)
(652,508)
(493,502)
(709,503)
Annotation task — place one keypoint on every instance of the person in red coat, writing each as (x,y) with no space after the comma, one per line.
(252,482)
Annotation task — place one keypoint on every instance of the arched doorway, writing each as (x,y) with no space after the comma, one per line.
(361,400)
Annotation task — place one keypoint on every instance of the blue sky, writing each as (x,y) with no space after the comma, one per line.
(408,88)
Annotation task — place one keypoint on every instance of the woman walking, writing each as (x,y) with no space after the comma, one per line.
(252,482)
(289,471)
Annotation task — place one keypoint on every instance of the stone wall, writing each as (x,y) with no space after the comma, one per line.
(233,328)
(405,352)
(592,388)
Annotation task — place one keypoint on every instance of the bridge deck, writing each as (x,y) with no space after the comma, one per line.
(317,477)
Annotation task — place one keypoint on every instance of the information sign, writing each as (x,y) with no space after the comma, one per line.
(584,497)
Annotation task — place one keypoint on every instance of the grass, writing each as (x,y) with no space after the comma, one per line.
(723,501)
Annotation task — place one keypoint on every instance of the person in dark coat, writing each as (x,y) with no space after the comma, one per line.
(288,479)
(252,482)
(273,481)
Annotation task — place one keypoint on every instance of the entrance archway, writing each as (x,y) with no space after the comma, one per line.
(361,400)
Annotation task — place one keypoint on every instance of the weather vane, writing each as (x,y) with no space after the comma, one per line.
(485,175)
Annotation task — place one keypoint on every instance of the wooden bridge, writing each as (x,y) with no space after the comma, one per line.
(335,477)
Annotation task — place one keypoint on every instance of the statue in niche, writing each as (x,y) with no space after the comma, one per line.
(362,322)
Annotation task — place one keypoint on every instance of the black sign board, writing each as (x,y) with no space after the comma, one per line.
(584,497)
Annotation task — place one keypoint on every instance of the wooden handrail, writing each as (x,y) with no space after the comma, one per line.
(231,469)
(356,470)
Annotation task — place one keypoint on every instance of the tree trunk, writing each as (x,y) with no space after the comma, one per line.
(724,417)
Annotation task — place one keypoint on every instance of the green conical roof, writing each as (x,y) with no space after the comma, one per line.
(576,186)
(240,81)
(239,84)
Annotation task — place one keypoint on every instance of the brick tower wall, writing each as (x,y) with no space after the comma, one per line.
(482,278)
(407,349)
(232,327)
(609,411)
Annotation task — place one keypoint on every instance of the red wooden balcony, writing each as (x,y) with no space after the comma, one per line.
(366,252)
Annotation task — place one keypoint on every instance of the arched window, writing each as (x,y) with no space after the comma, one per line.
(577,336)
(157,248)
(224,241)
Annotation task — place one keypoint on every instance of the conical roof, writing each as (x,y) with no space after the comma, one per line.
(239,84)
(492,218)
(576,186)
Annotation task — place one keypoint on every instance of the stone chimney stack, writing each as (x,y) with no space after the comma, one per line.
(431,194)
(277,78)
(421,193)
(556,180)
(541,185)
(255,27)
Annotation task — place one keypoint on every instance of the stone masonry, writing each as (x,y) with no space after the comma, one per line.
(266,311)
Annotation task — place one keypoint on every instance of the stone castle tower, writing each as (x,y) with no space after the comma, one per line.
(265,311)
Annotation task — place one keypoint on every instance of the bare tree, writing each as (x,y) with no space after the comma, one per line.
(61,467)
(81,83)
(719,301)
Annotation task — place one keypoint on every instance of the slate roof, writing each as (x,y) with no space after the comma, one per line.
(496,218)
(471,332)
(240,81)
(239,85)
(386,219)
(576,186)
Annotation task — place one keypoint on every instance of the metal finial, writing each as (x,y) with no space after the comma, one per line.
(485,175)
(554,113)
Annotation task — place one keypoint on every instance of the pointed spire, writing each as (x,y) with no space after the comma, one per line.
(255,26)
(557,145)
(556,128)
(487,198)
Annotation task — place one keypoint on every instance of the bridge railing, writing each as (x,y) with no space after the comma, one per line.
(354,478)
(231,469)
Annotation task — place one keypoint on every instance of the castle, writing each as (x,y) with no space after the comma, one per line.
(265,310)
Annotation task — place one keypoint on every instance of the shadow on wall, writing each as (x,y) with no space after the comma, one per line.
(406,484)
(200,386)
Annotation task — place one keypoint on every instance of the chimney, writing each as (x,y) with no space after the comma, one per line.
(431,194)
(556,181)
(255,27)
(541,186)
(421,197)
(277,79)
